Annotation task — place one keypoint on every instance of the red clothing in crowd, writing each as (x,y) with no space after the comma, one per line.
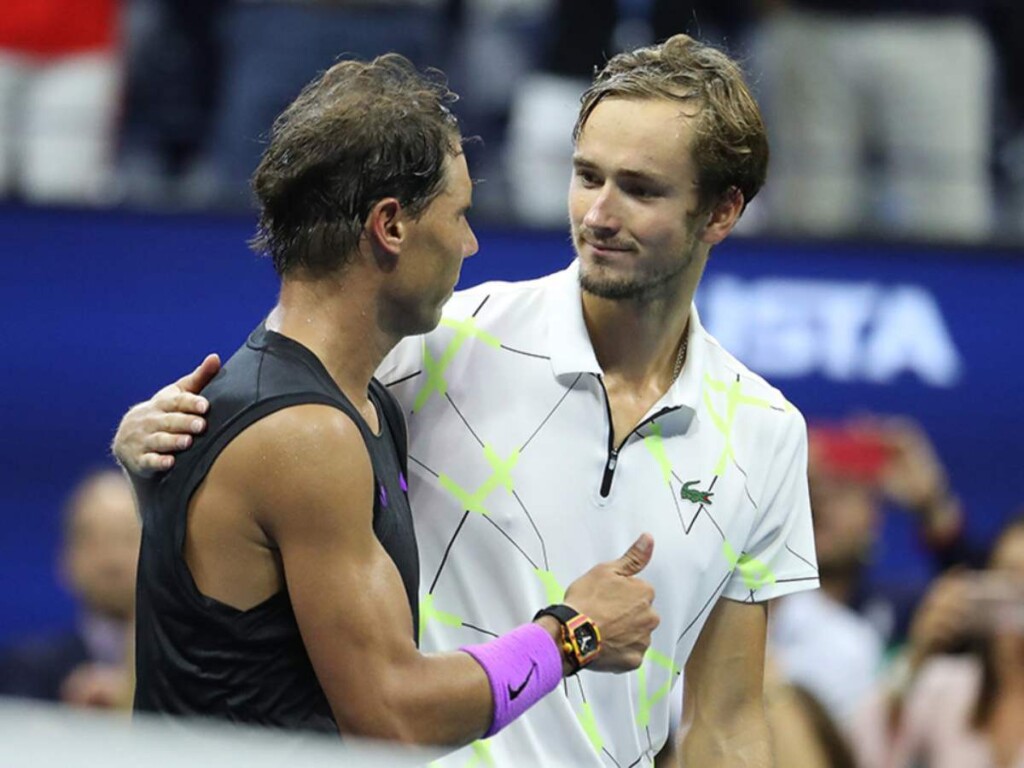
(58,27)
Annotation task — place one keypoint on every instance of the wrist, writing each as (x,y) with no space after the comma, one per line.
(521,666)
(580,641)
(553,627)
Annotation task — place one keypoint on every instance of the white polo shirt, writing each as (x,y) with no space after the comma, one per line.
(516,491)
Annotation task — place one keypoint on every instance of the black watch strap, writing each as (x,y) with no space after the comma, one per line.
(560,611)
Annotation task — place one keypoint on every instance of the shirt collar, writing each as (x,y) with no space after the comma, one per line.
(572,352)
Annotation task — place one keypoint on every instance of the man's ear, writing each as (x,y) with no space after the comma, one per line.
(386,227)
(723,217)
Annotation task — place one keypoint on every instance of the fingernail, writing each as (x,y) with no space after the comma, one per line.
(183,441)
(197,425)
(202,405)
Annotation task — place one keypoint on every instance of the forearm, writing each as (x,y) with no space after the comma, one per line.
(440,699)
(454,698)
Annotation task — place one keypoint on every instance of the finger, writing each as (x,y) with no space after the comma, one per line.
(636,557)
(201,376)
(166,442)
(151,463)
(174,400)
(176,423)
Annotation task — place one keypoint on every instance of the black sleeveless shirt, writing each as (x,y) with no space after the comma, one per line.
(198,656)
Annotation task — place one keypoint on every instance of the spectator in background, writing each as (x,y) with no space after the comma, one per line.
(832,642)
(87,666)
(1006,26)
(172,81)
(59,81)
(911,82)
(268,48)
(963,710)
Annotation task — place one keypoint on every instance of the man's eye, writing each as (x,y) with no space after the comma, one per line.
(639,191)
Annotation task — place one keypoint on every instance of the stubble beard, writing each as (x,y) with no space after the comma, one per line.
(644,287)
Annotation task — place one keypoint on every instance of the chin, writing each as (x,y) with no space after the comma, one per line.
(605,284)
(637,284)
(428,321)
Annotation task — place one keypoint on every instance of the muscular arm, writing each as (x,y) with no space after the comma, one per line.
(307,483)
(724,720)
(346,592)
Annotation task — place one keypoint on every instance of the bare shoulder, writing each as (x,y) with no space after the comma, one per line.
(308,459)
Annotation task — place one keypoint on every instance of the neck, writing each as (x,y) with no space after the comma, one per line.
(336,319)
(639,339)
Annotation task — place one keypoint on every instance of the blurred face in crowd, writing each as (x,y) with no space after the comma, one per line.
(633,199)
(1008,555)
(101,547)
(845,511)
(1007,560)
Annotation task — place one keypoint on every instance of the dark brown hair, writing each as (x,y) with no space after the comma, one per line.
(360,132)
(730,145)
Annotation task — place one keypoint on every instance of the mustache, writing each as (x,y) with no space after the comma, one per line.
(587,235)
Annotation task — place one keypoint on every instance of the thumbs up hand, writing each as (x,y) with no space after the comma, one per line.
(620,605)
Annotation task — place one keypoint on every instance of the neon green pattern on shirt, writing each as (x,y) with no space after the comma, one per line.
(754,572)
(734,398)
(464,329)
(589,723)
(429,613)
(643,717)
(555,592)
(656,446)
(501,474)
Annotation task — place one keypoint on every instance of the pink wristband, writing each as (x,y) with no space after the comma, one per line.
(523,666)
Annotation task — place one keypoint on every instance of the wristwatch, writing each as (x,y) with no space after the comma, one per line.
(581,639)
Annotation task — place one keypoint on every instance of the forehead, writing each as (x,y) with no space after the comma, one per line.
(652,135)
(457,181)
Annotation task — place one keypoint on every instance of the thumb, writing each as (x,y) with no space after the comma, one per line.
(637,556)
(201,376)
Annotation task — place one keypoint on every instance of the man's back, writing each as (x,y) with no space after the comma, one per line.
(200,656)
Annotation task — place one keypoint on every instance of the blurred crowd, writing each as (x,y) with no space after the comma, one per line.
(899,118)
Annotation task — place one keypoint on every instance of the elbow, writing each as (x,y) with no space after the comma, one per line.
(383,716)
(395,711)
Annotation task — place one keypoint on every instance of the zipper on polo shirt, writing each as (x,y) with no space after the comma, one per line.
(613,452)
(609,472)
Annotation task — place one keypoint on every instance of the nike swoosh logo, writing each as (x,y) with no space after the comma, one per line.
(513,693)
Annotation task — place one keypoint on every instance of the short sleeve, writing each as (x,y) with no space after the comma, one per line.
(778,557)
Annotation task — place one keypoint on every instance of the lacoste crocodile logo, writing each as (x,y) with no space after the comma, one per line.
(697,496)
